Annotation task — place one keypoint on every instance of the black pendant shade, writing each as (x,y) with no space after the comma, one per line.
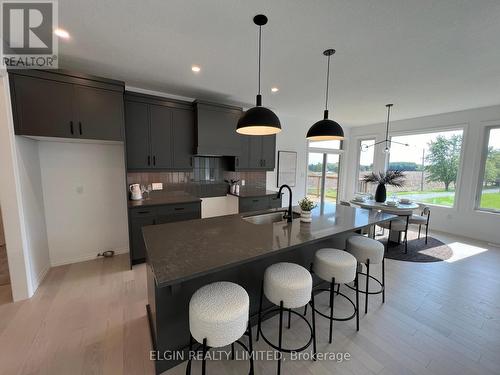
(259,120)
(326,129)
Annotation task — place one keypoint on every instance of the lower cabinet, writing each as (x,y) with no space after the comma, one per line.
(140,217)
(249,204)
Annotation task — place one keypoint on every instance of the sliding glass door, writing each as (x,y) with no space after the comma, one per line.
(323,175)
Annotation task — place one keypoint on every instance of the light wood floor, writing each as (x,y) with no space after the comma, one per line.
(439,318)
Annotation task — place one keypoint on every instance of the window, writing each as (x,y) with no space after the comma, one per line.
(366,157)
(431,162)
(489,192)
(323,171)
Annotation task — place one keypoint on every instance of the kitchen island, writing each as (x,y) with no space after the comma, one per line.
(184,256)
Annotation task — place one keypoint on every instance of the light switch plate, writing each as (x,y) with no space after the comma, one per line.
(157,186)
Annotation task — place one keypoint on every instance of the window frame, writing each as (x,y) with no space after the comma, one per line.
(340,152)
(482,171)
(464,128)
(358,157)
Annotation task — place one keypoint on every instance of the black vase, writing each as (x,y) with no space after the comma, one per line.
(380,193)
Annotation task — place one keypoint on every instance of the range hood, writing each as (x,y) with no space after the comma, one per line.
(216,129)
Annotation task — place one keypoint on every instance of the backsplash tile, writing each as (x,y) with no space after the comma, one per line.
(205,180)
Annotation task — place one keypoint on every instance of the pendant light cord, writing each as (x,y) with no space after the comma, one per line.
(260,42)
(327,82)
(387,125)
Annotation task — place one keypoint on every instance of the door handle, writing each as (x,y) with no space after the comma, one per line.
(80,127)
(154,160)
(237,161)
(71,127)
(149,160)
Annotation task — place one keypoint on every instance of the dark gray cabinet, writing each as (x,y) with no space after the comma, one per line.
(159,133)
(137,135)
(257,153)
(161,136)
(161,214)
(139,218)
(216,129)
(66,105)
(248,204)
(99,113)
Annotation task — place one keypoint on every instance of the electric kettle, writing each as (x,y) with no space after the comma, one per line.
(135,192)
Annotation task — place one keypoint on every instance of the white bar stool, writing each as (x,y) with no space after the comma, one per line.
(288,286)
(218,316)
(336,267)
(368,251)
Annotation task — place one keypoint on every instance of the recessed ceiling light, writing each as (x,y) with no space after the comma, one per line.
(275,89)
(195,68)
(61,33)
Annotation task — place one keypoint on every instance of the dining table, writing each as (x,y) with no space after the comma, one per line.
(400,209)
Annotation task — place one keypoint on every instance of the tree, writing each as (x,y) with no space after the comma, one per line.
(443,160)
(406,166)
(492,168)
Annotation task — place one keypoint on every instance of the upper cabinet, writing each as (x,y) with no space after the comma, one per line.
(216,129)
(257,153)
(159,133)
(66,105)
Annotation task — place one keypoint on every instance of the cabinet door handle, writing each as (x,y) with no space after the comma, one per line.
(143,212)
(71,127)
(154,160)
(237,161)
(263,162)
(149,160)
(255,200)
(191,161)
(179,208)
(80,127)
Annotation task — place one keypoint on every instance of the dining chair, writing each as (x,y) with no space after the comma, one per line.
(422,219)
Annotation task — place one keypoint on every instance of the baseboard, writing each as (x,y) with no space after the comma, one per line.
(83,258)
(39,277)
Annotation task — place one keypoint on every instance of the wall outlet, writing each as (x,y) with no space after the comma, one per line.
(242,182)
(157,186)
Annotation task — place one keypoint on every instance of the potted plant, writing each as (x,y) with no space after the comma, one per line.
(306,205)
(394,178)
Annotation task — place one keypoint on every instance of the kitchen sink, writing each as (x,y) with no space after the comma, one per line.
(269,218)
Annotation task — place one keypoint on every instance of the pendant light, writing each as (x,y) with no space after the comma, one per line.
(387,142)
(259,120)
(326,129)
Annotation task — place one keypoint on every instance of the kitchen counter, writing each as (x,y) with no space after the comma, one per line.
(184,250)
(182,257)
(254,192)
(161,197)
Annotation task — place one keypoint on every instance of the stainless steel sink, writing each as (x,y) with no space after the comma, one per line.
(268,218)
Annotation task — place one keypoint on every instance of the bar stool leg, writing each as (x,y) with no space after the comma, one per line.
(310,270)
(204,362)
(250,347)
(260,311)
(367,284)
(383,280)
(314,325)
(332,296)
(280,340)
(357,301)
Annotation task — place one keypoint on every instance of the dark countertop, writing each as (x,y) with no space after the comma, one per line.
(161,197)
(183,250)
(254,192)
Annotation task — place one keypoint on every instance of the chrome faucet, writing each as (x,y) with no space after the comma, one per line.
(289,214)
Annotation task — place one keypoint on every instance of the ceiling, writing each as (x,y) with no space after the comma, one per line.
(426,56)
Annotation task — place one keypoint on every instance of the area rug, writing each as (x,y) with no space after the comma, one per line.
(418,251)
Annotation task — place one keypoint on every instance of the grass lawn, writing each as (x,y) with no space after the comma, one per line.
(490,200)
(441,201)
(421,192)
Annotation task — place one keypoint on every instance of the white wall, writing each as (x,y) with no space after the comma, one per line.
(84,198)
(10,200)
(33,211)
(463,219)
